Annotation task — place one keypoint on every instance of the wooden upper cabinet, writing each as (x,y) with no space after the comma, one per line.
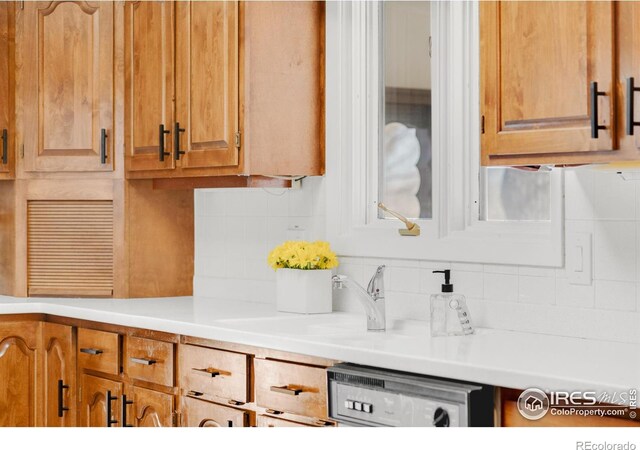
(628,25)
(66,85)
(7,125)
(538,61)
(149,45)
(207,83)
(59,375)
(18,374)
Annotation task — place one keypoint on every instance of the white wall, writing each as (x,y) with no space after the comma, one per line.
(236,228)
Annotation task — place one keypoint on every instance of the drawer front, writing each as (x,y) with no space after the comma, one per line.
(214,372)
(99,350)
(149,360)
(291,388)
(272,422)
(198,413)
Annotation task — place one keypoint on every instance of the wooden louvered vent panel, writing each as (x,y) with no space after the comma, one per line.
(70,248)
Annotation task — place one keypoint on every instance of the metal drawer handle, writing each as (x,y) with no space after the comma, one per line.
(143,361)
(103,146)
(286,390)
(631,90)
(161,152)
(195,393)
(91,351)
(595,93)
(125,403)
(61,407)
(110,398)
(211,372)
(5,146)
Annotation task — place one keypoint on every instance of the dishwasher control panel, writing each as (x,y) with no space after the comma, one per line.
(367,396)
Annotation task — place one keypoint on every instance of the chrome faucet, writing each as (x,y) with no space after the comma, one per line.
(371,298)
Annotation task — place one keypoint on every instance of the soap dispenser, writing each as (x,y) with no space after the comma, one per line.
(449,312)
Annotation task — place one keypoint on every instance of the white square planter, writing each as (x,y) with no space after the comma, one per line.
(304,291)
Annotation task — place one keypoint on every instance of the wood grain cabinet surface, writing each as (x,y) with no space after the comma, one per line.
(19,374)
(65,72)
(200,413)
(148,408)
(7,90)
(100,402)
(539,62)
(58,375)
(220,105)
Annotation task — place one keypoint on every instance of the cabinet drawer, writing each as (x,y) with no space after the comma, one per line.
(99,350)
(149,360)
(198,413)
(291,388)
(214,372)
(272,422)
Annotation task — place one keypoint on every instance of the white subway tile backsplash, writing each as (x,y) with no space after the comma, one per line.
(615,251)
(541,290)
(616,295)
(235,229)
(614,197)
(571,295)
(500,287)
(404,279)
(579,194)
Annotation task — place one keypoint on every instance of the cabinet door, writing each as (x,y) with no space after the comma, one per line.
(100,402)
(59,375)
(198,413)
(18,374)
(628,33)
(65,56)
(207,82)
(7,125)
(149,408)
(538,60)
(149,63)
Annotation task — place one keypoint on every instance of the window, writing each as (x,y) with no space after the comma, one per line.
(420,87)
(405,150)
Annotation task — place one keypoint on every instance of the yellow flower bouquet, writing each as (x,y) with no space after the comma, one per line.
(303,276)
(303,255)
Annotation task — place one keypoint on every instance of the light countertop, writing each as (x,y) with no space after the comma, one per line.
(502,358)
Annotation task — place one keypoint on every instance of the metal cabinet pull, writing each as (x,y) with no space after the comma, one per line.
(195,393)
(631,90)
(209,372)
(595,93)
(103,146)
(61,407)
(161,152)
(285,390)
(5,146)
(91,351)
(176,141)
(110,399)
(143,361)
(125,403)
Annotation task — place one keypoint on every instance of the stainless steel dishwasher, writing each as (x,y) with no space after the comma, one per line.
(366,396)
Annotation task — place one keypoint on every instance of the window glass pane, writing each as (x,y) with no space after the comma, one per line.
(515,194)
(405,153)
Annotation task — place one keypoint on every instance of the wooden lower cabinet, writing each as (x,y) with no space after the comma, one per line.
(18,374)
(100,402)
(148,408)
(273,422)
(199,413)
(59,375)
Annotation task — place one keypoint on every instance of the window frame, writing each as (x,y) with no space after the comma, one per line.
(353,118)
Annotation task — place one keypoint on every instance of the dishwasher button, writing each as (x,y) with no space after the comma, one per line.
(368,408)
(348,404)
(357,406)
